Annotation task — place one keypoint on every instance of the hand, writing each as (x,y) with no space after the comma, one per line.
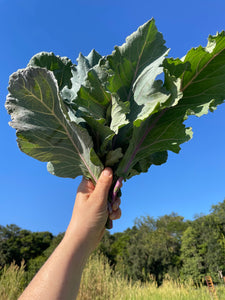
(90,211)
(59,277)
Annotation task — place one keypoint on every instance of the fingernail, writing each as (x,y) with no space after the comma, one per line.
(107,172)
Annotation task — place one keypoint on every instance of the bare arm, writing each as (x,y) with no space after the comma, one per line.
(59,278)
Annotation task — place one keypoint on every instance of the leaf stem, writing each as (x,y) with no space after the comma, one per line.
(112,199)
(116,189)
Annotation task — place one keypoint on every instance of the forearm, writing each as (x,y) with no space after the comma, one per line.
(60,276)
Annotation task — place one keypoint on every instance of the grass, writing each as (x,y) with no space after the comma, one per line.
(12,281)
(99,282)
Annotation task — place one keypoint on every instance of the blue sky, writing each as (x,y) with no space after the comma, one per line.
(188,184)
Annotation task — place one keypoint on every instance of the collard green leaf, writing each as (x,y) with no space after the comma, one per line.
(149,93)
(87,92)
(129,60)
(113,157)
(43,127)
(101,133)
(79,74)
(92,97)
(136,64)
(144,164)
(61,67)
(197,85)
(203,86)
(119,111)
(163,131)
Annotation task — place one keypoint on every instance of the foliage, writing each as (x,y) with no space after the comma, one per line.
(150,247)
(112,110)
(192,260)
(170,245)
(203,245)
(18,244)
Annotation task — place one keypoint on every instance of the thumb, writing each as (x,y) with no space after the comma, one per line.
(103,185)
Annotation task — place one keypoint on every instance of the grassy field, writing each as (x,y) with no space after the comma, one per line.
(100,283)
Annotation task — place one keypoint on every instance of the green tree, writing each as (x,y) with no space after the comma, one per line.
(8,248)
(18,244)
(203,245)
(151,247)
(161,241)
(193,266)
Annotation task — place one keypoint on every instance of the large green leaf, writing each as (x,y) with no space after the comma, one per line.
(203,86)
(80,80)
(93,97)
(119,111)
(197,85)
(128,61)
(44,129)
(101,133)
(161,132)
(61,67)
(136,64)
(87,92)
(79,74)
(157,158)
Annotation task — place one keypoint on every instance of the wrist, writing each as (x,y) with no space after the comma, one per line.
(78,239)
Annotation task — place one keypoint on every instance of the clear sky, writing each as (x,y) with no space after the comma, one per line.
(188,184)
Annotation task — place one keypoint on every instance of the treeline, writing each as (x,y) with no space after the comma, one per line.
(170,246)
(162,247)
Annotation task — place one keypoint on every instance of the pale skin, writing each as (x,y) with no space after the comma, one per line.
(59,278)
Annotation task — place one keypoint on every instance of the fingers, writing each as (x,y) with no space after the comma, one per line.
(115,212)
(103,184)
(99,193)
(116,204)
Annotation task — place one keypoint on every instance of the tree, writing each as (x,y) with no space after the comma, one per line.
(203,245)
(8,249)
(18,244)
(193,266)
(162,242)
(151,247)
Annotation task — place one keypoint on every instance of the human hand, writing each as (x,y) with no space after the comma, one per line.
(90,211)
(59,277)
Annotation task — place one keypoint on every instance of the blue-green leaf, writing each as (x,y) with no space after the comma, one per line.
(44,129)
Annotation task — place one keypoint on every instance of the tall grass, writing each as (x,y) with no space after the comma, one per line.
(12,281)
(100,282)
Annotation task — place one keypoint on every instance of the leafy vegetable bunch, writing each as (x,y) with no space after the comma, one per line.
(113,110)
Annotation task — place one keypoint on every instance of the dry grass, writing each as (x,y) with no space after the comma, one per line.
(99,282)
(12,282)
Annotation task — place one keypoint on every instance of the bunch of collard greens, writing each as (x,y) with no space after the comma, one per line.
(111,110)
